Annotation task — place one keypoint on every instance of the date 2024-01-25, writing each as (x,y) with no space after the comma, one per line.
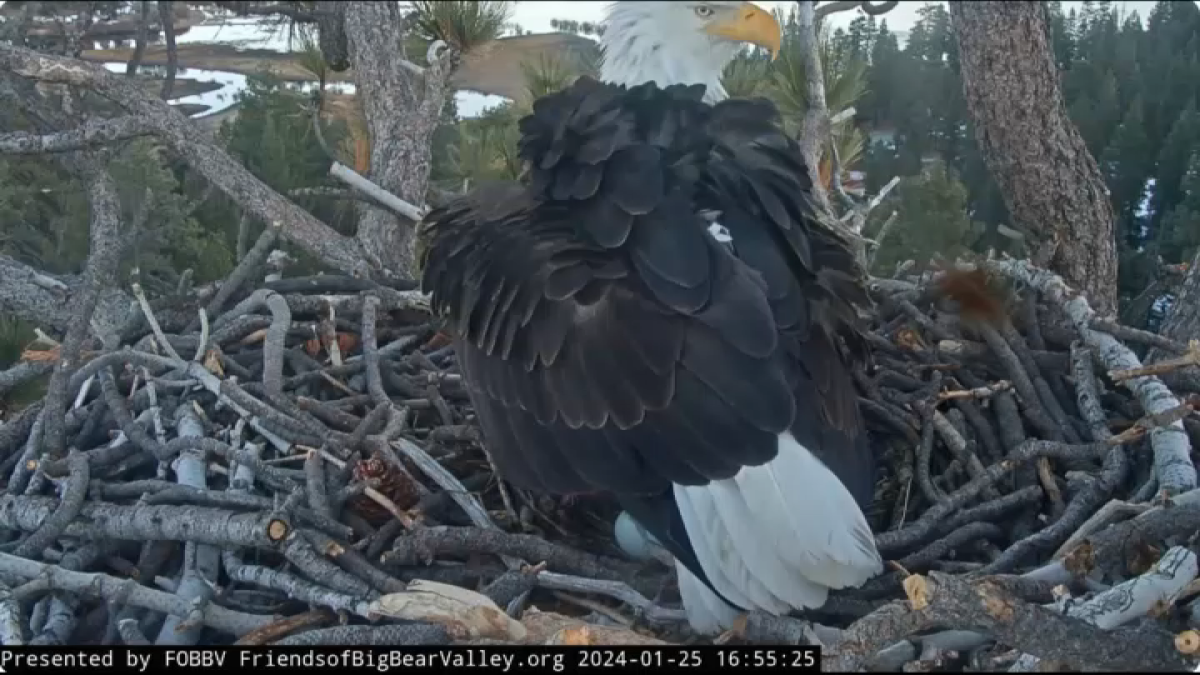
(540,659)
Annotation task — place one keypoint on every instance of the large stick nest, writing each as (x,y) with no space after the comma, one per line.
(305,449)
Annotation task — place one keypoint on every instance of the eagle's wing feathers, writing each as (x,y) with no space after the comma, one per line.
(757,177)
(609,342)
(662,395)
(634,337)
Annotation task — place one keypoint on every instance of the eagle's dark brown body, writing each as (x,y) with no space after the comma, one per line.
(609,342)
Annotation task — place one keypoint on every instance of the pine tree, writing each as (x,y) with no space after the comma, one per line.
(861,37)
(1107,114)
(1173,160)
(1126,162)
(931,220)
(1060,35)
(885,78)
(1180,228)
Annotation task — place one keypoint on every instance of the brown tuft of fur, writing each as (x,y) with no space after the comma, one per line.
(977,295)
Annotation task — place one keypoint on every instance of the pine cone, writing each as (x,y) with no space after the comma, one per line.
(390,481)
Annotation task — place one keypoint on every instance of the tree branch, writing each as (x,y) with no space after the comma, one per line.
(32,295)
(814,128)
(299,226)
(91,133)
(139,43)
(943,599)
(402,110)
(868,8)
(166,19)
(103,259)
(1124,603)
(355,180)
(1172,450)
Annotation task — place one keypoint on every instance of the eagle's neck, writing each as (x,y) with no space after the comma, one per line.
(634,52)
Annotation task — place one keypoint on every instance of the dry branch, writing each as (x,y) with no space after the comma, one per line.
(277,453)
(943,599)
(1173,466)
(91,133)
(201,152)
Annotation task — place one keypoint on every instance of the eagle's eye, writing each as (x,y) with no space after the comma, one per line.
(704,11)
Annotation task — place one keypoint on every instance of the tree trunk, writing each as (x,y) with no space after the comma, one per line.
(1051,184)
(1183,321)
(331,35)
(814,132)
(402,110)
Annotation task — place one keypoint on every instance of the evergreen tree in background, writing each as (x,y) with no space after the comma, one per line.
(931,220)
(1180,236)
(1131,85)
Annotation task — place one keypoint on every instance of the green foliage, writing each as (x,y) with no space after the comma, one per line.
(1180,236)
(462,24)
(845,76)
(1125,164)
(746,75)
(485,148)
(931,220)
(548,74)
(46,217)
(273,137)
(14,335)
(1131,87)
(43,215)
(175,240)
(1177,149)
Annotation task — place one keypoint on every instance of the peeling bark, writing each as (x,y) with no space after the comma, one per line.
(402,110)
(814,132)
(91,133)
(1183,321)
(101,273)
(1173,467)
(331,32)
(1051,184)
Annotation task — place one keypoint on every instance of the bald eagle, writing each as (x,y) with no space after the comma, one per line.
(657,310)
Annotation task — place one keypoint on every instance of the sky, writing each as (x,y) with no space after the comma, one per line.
(535,16)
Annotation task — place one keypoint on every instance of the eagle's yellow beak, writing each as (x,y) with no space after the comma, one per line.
(750,23)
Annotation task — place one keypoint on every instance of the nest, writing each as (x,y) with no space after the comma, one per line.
(306,450)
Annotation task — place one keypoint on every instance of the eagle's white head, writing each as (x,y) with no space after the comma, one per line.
(682,42)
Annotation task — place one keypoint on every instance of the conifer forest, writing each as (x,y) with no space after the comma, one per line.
(229,416)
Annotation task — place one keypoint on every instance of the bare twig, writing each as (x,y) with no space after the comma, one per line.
(91,133)
(198,150)
(1172,450)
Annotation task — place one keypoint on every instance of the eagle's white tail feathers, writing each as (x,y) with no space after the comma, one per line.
(776,537)
(754,553)
(712,543)
(707,614)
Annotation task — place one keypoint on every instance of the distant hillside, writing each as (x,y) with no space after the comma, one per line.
(494,68)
